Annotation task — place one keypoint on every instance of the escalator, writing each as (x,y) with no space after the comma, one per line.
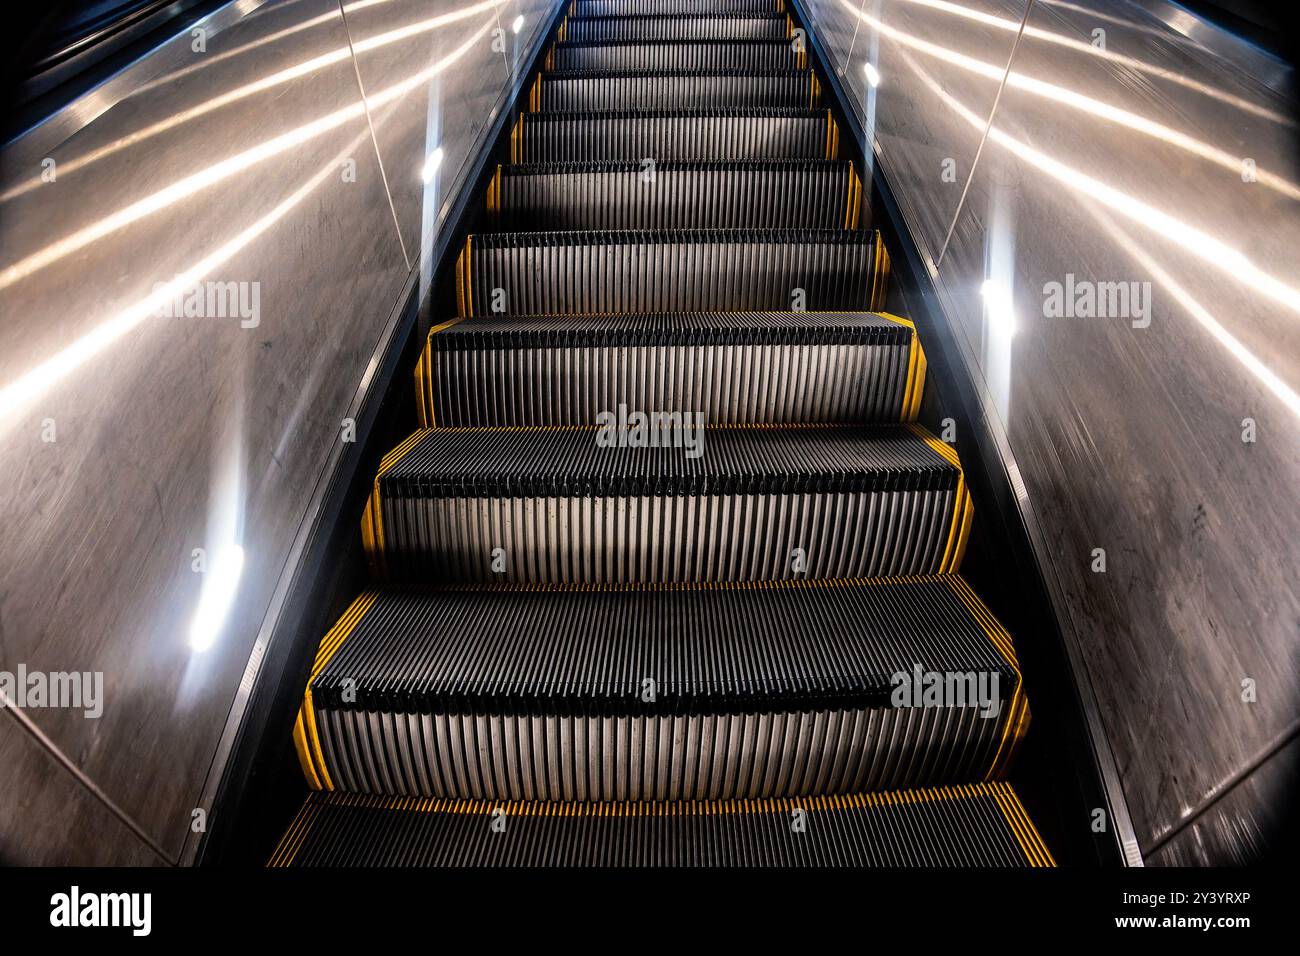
(669,572)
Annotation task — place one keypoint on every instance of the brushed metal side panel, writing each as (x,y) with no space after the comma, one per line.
(47,818)
(837,25)
(1251,823)
(434,72)
(915,48)
(131,440)
(1122,165)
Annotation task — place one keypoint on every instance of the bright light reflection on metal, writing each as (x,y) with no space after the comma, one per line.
(187,187)
(220,585)
(431,166)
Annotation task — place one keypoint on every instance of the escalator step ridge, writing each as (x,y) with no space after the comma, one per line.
(678,194)
(731,368)
(970,825)
(702,55)
(623,8)
(666,134)
(655,27)
(594,90)
(721,503)
(655,270)
(742,677)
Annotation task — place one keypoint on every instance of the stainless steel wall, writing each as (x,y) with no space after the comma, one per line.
(155,471)
(1040,148)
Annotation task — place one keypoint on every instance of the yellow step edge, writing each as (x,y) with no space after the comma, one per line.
(306,737)
(424,375)
(372,519)
(811,803)
(289,844)
(963,507)
(1016,720)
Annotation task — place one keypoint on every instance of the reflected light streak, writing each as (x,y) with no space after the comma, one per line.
(204,178)
(215,58)
(220,585)
(1200,244)
(431,166)
(1047,36)
(18,393)
(1267,377)
(1078,101)
(1080,184)
(1000,307)
(251,89)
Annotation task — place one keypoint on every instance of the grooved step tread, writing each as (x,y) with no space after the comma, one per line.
(733,368)
(627,329)
(572,462)
(974,825)
(677,194)
(570,90)
(511,649)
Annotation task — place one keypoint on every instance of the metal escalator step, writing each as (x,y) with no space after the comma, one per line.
(657,27)
(731,367)
(706,56)
(682,90)
(659,500)
(632,8)
(661,135)
(973,825)
(678,194)
(715,270)
(640,693)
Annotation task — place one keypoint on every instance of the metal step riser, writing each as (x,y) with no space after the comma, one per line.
(654,758)
(681,92)
(656,29)
(705,538)
(550,138)
(670,276)
(696,56)
(658,198)
(729,384)
(636,8)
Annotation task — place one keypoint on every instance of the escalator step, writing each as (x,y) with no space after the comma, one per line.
(689,90)
(658,27)
(705,56)
(974,825)
(662,693)
(635,135)
(678,194)
(732,368)
(581,504)
(632,8)
(722,270)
